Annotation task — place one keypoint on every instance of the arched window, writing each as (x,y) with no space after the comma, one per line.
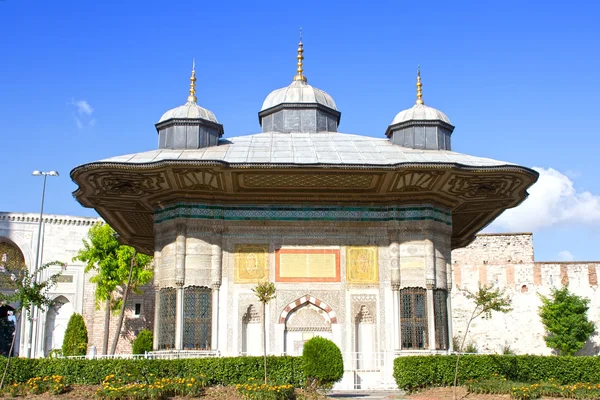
(12,265)
(167,306)
(197,318)
(413,318)
(440,311)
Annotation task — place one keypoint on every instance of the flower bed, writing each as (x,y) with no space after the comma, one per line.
(254,390)
(150,387)
(525,391)
(54,384)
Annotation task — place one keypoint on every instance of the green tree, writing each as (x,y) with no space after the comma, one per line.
(117,267)
(323,363)
(143,342)
(564,316)
(76,337)
(486,299)
(29,292)
(265,292)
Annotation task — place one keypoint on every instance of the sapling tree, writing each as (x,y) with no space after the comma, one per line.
(29,292)
(265,292)
(117,267)
(486,300)
(564,316)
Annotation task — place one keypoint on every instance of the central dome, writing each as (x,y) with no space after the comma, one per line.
(299,107)
(298,92)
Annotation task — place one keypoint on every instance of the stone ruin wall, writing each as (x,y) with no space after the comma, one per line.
(507,261)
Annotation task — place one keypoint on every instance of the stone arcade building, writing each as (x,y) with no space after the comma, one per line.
(356,232)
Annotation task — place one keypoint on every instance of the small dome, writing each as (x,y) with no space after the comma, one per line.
(298,92)
(420,112)
(189,110)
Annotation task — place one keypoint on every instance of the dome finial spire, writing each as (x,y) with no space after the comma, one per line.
(300,71)
(192,97)
(419,84)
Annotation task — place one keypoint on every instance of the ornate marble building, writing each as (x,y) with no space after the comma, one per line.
(355,231)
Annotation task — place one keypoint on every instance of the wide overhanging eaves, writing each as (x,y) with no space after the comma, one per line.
(126,194)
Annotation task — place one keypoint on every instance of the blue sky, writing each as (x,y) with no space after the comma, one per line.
(82,81)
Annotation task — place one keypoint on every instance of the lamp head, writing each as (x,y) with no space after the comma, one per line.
(36,173)
(52,173)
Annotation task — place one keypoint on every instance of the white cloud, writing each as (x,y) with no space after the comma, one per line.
(565,255)
(83,116)
(83,107)
(552,201)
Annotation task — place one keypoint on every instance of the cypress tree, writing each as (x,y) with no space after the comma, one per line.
(76,337)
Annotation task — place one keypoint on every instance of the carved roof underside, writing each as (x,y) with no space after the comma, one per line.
(126,194)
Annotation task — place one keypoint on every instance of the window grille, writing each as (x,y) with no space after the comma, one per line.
(197,318)
(413,318)
(166,321)
(440,311)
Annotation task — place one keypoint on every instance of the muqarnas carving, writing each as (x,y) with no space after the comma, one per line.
(361,265)
(251,263)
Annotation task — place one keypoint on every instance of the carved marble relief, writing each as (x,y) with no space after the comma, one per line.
(362,265)
(251,263)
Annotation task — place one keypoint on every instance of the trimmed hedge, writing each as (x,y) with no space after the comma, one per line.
(414,372)
(218,370)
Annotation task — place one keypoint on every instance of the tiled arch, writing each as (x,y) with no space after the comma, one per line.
(308,299)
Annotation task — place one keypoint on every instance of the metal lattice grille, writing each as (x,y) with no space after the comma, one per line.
(413,318)
(197,318)
(166,321)
(440,310)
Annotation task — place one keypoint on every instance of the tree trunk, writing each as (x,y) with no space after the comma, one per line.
(460,353)
(12,345)
(125,293)
(264,324)
(106,327)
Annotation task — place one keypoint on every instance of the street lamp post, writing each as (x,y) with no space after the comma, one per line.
(37,253)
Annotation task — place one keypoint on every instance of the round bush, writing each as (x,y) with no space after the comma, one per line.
(323,363)
(143,342)
(76,337)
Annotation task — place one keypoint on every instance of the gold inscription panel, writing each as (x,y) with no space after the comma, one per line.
(307,265)
(251,263)
(361,264)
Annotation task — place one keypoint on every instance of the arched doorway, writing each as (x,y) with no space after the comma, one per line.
(304,319)
(57,318)
(12,268)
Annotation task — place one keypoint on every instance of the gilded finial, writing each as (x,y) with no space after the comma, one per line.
(300,71)
(192,97)
(419,84)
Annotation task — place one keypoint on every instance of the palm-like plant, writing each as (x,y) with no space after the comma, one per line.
(265,292)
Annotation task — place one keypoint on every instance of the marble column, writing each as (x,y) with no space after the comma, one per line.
(430,285)
(216,268)
(179,319)
(179,282)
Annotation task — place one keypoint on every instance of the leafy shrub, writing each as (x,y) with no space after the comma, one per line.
(414,372)
(76,337)
(323,363)
(143,342)
(254,390)
(220,371)
(471,348)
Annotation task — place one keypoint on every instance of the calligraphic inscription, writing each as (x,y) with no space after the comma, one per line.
(251,263)
(361,264)
(412,264)
(307,265)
